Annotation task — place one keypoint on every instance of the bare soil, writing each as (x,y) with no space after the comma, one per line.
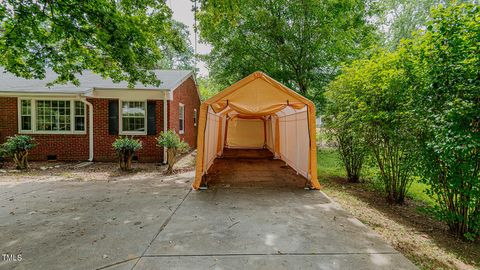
(94,171)
(419,237)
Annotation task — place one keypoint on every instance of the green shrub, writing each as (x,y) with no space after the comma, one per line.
(446,60)
(175,147)
(125,148)
(373,102)
(17,148)
(349,142)
(352,152)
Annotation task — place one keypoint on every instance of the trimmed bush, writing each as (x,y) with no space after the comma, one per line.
(175,147)
(125,148)
(17,148)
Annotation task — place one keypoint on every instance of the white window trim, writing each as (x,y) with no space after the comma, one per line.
(195,117)
(120,118)
(181,105)
(34,130)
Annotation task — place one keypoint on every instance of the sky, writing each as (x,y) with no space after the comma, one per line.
(182,11)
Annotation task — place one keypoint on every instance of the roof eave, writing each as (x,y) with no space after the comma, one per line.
(130,89)
(40,94)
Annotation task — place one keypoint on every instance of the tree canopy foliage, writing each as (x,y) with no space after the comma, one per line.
(118,39)
(299,43)
(175,58)
(399,19)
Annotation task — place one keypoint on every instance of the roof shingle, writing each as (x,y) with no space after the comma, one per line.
(88,80)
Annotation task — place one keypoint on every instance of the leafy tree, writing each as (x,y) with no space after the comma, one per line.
(398,19)
(17,148)
(299,43)
(121,39)
(125,148)
(207,87)
(373,100)
(446,60)
(175,147)
(175,58)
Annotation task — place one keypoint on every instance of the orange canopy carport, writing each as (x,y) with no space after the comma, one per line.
(258,112)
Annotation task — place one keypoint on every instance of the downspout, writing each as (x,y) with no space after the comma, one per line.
(90,128)
(165,123)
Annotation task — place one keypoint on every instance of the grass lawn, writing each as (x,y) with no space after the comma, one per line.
(419,237)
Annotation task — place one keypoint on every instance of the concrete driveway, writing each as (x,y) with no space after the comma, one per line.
(161,224)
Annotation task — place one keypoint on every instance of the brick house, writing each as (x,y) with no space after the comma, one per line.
(81,123)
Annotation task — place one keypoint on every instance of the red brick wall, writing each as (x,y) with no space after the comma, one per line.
(65,147)
(75,147)
(8,117)
(187,94)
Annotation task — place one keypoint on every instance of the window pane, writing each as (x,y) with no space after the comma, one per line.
(26,107)
(79,123)
(181,116)
(136,109)
(140,124)
(26,123)
(79,108)
(25,115)
(53,115)
(133,116)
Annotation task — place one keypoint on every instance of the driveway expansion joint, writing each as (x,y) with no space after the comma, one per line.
(117,263)
(164,224)
(267,254)
(245,254)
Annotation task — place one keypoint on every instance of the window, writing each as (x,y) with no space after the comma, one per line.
(195,117)
(51,116)
(181,118)
(79,116)
(133,117)
(26,115)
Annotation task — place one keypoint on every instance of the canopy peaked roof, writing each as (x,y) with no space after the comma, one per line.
(257,94)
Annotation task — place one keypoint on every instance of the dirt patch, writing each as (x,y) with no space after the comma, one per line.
(419,237)
(96,171)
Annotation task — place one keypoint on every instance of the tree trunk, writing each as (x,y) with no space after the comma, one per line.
(125,161)
(20,160)
(128,164)
(171,159)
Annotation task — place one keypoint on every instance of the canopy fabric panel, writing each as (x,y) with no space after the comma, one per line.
(258,112)
(211,139)
(294,141)
(269,134)
(246,133)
